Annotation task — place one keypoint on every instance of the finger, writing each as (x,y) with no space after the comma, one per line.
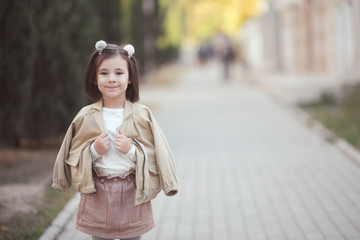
(119,137)
(121,133)
(117,147)
(104,135)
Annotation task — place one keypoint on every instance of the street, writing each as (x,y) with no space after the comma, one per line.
(248,169)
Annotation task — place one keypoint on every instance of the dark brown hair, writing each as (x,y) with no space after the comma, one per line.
(90,77)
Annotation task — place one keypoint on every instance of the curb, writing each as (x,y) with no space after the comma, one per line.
(349,150)
(305,118)
(62,219)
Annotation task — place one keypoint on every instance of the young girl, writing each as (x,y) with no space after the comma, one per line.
(114,151)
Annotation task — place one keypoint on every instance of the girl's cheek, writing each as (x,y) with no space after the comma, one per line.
(102,78)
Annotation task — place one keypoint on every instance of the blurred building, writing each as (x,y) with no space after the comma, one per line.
(317,36)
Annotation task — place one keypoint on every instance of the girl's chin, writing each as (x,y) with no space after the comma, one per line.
(113,96)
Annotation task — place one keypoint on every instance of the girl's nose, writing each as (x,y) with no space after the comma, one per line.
(112,78)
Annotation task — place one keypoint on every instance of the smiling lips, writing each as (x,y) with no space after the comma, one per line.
(111,87)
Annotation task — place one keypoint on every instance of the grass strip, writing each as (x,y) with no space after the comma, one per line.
(341,115)
(30,226)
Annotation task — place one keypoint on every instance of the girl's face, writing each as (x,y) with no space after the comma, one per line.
(112,81)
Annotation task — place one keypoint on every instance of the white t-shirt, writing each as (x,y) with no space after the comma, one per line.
(113,162)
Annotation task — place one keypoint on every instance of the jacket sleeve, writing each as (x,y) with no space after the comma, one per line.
(164,159)
(61,172)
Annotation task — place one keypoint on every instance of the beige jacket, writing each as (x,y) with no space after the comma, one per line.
(155,168)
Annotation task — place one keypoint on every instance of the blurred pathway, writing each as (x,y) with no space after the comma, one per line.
(248,168)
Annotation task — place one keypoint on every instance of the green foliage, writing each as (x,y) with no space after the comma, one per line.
(30,226)
(172,19)
(17,54)
(131,15)
(136,30)
(327,98)
(44,49)
(205,18)
(340,115)
(170,52)
(110,20)
(44,53)
(57,68)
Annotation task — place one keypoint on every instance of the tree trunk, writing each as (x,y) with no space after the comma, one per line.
(148,7)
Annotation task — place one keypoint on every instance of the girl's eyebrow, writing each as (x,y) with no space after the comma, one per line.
(105,69)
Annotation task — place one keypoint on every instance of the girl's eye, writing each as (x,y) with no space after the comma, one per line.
(103,73)
(119,73)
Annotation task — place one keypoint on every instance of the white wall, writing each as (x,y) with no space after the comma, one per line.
(252,44)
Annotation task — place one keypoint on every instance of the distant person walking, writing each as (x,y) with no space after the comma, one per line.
(205,52)
(224,50)
(114,151)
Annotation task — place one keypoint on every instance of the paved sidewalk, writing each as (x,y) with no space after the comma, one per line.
(248,168)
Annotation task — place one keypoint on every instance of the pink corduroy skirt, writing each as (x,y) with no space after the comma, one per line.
(110,212)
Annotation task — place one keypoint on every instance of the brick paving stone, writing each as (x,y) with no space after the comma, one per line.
(249,168)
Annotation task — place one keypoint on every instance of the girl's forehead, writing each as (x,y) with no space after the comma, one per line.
(115,61)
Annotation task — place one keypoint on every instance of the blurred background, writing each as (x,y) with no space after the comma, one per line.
(308,50)
(45,47)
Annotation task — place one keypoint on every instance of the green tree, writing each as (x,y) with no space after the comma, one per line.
(147,23)
(63,33)
(44,49)
(110,20)
(132,26)
(17,51)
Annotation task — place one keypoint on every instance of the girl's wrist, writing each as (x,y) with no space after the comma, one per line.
(94,154)
(131,152)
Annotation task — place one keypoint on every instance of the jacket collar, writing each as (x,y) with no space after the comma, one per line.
(98,105)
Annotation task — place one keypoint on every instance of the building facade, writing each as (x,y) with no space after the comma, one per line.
(311,36)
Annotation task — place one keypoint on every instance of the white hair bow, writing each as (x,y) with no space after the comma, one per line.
(129,49)
(100,45)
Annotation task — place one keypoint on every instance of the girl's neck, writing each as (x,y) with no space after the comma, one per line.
(113,103)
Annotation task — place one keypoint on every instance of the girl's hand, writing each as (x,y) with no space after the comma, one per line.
(122,143)
(102,143)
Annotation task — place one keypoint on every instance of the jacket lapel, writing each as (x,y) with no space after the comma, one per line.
(127,109)
(127,113)
(98,115)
